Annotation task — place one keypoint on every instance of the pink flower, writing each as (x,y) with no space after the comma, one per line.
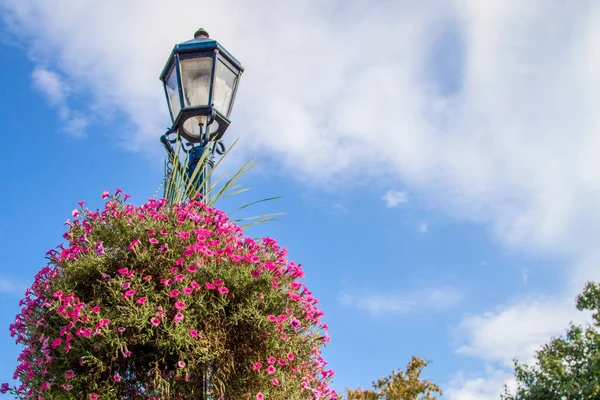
(290,356)
(255,273)
(180,305)
(179,261)
(191,268)
(56,343)
(275,382)
(283,336)
(128,293)
(141,300)
(174,293)
(121,329)
(45,386)
(96,309)
(105,194)
(181,364)
(126,285)
(75,213)
(271,370)
(223,290)
(193,333)
(134,244)
(69,374)
(183,235)
(116,378)
(123,271)
(155,321)
(179,277)
(271,360)
(178,317)
(187,290)
(209,285)
(281,361)
(272,318)
(153,240)
(99,248)
(194,285)
(260,396)
(94,396)
(256,366)
(218,282)
(295,323)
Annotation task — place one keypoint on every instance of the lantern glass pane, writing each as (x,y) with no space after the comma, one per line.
(194,127)
(195,77)
(225,81)
(173,93)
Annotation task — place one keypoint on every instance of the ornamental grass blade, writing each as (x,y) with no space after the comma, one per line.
(180,186)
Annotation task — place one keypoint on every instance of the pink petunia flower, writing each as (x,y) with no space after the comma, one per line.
(260,396)
(256,366)
(116,378)
(69,374)
(271,370)
(155,321)
(193,333)
(290,356)
(218,282)
(45,386)
(123,271)
(181,364)
(209,286)
(141,300)
(178,317)
(179,277)
(94,396)
(128,293)
(180,305)
(174,293)
(187,290)
(271,360)
(191,268)
(105,194)
(275,382)
(223,290)
(153,240)
(96,309)
(194,285)
(75,213)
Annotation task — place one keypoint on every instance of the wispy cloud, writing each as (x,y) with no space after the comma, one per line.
(9,286)
(423,227)
(393,198)
(400,302)
(54,88)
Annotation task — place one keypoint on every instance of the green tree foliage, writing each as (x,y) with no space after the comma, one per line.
(568,367)
(400,385)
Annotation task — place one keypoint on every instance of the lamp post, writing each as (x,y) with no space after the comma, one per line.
(200,80)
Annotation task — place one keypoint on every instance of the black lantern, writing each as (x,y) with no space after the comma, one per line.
(201,80)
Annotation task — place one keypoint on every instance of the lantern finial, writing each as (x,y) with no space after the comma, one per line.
(201,33)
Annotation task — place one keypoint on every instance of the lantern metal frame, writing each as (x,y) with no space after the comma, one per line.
(201,47)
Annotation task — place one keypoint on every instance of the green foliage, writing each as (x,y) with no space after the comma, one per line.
(400,385)
(168,301)
(568,367)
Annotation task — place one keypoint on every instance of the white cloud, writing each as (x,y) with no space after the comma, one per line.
(485,387)
(399,302)
(53,87)
(394,198)
(424,227)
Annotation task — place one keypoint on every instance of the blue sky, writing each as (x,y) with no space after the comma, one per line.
(438,161)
